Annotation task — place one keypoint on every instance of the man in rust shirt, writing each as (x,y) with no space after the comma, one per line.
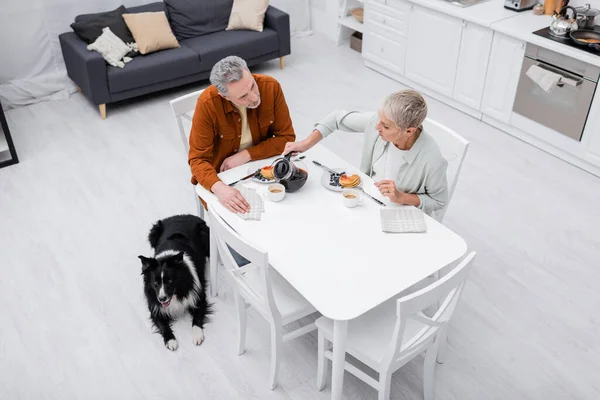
(239,118)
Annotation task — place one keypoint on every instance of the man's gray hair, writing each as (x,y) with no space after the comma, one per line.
(407,108)
(230,69)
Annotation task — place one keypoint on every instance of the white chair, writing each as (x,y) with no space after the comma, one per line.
(454,149)
(258,285)
(183,107)
(392,334)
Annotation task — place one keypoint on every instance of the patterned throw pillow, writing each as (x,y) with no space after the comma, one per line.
(111,48)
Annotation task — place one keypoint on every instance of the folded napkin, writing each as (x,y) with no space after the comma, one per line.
(257,206)
(402,220)
(545,79)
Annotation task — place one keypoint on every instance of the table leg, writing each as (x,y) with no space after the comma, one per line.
(340,332)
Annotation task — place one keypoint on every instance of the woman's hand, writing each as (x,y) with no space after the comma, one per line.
(303,145)
(388,189)
(296,147)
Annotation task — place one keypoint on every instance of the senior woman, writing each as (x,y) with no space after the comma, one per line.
(405,162)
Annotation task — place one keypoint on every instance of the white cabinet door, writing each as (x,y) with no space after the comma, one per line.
(382,51)
(433,47)
(472,64)
(502,77)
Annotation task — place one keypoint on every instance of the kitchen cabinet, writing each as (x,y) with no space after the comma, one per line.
(502,77)
(433,49)
(475,45)
(385,52)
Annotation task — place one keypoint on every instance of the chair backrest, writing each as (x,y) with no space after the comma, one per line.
(183,107)
(445,291)
(259,292)
(454,149)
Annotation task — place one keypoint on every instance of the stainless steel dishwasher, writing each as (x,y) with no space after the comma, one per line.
(565,108)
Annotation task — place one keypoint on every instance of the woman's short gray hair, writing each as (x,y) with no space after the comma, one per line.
(230,69)
(407,108)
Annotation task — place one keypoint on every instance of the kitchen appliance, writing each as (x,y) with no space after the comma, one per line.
(565,108)
(587,38)
(586,16)
(545,33)
(561,24)
(291,175)
(519,5)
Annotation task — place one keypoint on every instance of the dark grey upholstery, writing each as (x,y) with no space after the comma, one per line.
(246,44)
(86,68)
(192,18)
(154,68)
(165,69)
(150,7)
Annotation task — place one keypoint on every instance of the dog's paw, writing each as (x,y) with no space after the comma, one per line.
(172,344)
(198,335)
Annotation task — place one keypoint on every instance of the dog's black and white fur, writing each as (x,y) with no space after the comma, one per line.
(174,279)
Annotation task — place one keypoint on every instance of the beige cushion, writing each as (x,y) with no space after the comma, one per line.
(248,14)
(151,31)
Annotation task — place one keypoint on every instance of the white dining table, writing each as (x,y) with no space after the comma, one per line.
(338,258)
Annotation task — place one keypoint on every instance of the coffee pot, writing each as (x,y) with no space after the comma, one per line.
(291,175)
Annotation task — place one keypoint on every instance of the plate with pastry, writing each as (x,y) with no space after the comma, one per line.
(340,180)
(263,175)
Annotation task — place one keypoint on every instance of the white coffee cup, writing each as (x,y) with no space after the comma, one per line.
(352,197)
(276,192)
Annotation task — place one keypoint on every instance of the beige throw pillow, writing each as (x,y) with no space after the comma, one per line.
(248,14)
(151,31)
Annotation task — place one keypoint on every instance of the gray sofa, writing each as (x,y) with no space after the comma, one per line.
(192,61)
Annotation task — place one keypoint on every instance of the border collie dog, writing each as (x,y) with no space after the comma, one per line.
(174,281)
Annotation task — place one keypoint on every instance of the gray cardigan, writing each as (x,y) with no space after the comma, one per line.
(424,173)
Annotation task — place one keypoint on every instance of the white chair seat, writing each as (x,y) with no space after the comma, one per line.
(291,304)
(370,334)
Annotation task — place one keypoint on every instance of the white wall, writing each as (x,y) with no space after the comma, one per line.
(324,17)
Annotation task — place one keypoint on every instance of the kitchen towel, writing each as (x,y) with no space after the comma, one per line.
(257,206)
(407,219)
(545,79)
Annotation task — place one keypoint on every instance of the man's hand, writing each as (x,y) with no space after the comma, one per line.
(235,160)
(230,197)
(303,145)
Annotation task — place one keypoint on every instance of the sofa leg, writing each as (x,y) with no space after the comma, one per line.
(78,89)
(102,108)
(281,62)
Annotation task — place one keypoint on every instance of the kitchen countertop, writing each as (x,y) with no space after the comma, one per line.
(484,14)
(522,26)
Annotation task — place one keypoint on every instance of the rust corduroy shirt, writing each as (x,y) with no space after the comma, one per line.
(216,129)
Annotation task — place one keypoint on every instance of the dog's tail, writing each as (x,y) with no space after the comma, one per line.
(155,232)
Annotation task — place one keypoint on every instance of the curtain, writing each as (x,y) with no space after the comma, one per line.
(31,63)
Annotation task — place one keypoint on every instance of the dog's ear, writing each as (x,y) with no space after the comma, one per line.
(148,263)
(203,234)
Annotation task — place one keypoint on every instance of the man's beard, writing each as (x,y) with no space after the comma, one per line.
(255,105)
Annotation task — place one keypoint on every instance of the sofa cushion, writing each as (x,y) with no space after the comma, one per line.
(89,26)
(150,7)
(154,68)
(246,44)
(192,18)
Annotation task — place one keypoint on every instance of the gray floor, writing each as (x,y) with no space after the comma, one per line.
(75,212)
